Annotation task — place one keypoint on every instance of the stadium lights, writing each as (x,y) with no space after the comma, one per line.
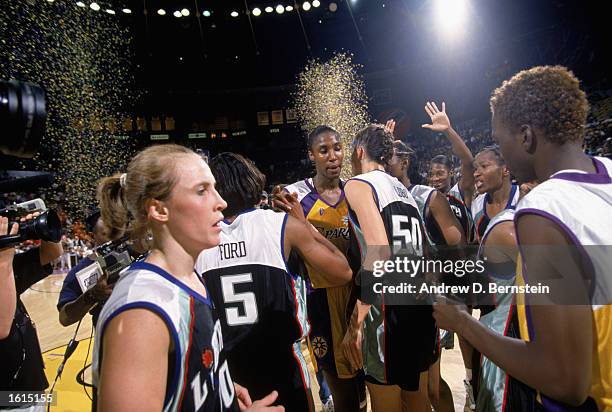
(289,8)
(161,12)
(94,6)
(177,14)
(306,6)
(280,9)
(185,12)
(316,3)
(256,11)
(206,13)
(81,4)
(127,11)
(110,11)
(234,14)
(450,15)
(333,7)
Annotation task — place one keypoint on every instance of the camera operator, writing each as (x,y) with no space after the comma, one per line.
(8,296)
(20,354)
(73,303)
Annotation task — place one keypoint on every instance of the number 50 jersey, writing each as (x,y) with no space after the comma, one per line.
(399,341)
(261,305)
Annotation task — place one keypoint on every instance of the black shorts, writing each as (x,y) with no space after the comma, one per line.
(262,370)
(410,382)
(411,344)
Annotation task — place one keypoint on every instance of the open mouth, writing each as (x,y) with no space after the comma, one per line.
(218,223)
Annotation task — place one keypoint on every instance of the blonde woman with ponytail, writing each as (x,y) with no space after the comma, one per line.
(159,344)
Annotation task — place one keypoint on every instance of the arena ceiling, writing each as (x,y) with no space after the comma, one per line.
(210,49)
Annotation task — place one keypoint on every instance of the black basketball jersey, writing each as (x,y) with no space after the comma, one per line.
(398,210)
(198,373)
(407,344)
(255,294)
(422,196)
(261,304)
(461,211)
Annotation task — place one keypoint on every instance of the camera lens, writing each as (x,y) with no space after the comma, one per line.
(22,116)
(47,227)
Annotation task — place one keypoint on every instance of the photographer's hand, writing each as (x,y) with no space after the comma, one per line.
(49,251)
(8,293)
(74,311)
(101,290)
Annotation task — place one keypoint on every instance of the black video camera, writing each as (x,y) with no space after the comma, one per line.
(23,115)
(110,259)
(46,226)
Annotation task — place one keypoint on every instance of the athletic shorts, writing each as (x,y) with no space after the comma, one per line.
(409,383)
(262,370)
(399,343)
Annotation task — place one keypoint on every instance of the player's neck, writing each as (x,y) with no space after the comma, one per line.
(405,181)
(369,165)
(556,158)
(501,195)
(323,183)
(173,258)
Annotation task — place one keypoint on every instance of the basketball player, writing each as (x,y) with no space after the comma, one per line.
(261,301)
(441,224)
(563,358)
(159,345)
(324,205)
(443,230)
(393,344)
(499,251)
(460,198)
(441,170)
(441,178)
(495,190)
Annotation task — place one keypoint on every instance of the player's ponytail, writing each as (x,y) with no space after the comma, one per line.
(113,209)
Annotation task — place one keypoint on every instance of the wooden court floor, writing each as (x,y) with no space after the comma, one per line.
(41,300)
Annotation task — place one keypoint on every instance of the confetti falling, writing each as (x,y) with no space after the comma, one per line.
(82,59)
(332,93)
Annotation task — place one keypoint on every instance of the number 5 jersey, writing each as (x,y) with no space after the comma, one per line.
(262,307)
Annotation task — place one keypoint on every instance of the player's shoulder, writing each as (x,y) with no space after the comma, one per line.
(143,285)
(302,187)
(456,191)
(606,163)
(421,190)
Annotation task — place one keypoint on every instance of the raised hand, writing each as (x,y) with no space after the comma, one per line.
(390,126)
(439,120)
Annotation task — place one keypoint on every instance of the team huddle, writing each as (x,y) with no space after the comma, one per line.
(214,317)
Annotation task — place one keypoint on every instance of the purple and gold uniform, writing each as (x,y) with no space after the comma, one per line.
(327,306)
